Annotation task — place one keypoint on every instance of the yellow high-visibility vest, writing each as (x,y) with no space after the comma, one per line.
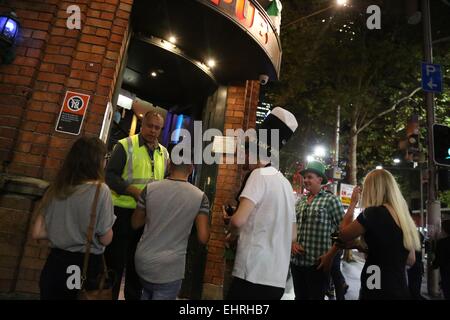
(139,168)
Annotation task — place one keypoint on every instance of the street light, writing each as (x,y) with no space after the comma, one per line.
(396,160)
(9,28)
(9,31)
(379,167)
(320,151)
(338,3)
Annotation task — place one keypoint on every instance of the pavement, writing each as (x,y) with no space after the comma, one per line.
(352,272)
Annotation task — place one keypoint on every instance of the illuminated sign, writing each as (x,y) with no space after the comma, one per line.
(252,18)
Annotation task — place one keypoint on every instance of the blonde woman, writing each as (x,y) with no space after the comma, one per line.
(390,234)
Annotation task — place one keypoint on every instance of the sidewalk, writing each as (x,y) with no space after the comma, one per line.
(352,272)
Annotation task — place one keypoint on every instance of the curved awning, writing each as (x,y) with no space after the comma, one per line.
(162,73)
(237,34)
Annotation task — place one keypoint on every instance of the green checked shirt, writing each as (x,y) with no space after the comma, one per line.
(315,223)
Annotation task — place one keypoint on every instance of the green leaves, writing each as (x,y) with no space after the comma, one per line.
(333,59)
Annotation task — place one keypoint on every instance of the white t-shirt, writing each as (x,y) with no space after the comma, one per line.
(264,245)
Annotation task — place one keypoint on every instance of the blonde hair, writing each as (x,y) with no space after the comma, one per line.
(380,188)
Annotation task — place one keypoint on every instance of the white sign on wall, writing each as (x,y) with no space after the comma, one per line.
(107,119)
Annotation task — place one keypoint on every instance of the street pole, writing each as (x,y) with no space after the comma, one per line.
(433,205)
(422,222)
(336,150)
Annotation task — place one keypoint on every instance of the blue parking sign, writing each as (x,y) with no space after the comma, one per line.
(431,77)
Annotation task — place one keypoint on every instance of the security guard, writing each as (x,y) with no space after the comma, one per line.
(134,161)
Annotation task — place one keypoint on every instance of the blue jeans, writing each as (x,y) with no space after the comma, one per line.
(160,291)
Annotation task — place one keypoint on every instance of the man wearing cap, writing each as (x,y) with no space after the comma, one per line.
(265,219)
(318,216)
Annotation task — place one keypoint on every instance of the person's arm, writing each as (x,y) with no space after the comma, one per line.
(202,220)
(349,215)
(336,211)
(349,228)
(138,217)
(296,248)
(106,239)
(240,217)
(39,230)
(105,216)
(202,225)
(411,260)
(246,207)
(352,231)
(133,191)
(114,171)
(250,196)
(326,260)
(346,233)
(294,231)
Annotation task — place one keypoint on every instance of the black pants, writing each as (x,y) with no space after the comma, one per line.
(415,283)
(54,276)
(120,254)
(243,290)
(445,282)
(309,283)
(337,277)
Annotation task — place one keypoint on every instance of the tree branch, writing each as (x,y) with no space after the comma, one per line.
(389,110)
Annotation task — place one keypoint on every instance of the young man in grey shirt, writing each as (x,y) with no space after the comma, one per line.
(168,209)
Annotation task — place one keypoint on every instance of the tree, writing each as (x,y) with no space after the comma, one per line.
(374,75)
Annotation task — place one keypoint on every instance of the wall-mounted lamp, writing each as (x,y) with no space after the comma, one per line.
(9,31)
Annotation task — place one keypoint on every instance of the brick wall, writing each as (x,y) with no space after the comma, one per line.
(13,231)
(50,59)
(240,113)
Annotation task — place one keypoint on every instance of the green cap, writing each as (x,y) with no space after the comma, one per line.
(316,167)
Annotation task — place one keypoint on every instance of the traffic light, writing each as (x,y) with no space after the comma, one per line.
(441,139)
(412,133)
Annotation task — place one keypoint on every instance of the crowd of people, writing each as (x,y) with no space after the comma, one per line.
(145,208)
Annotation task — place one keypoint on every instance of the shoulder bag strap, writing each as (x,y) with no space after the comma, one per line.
(90,232)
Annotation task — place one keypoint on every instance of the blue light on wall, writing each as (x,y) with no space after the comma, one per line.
(9,31)
(9,28)
(177,128)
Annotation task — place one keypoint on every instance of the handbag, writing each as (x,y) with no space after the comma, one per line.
(101,293)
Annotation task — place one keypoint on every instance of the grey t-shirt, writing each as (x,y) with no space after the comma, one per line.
(67,220)
(171,208)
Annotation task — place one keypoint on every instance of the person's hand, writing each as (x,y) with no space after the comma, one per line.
(296,248)
(325,262)
(225,216)
(134,192)
(356,194)
(230,241)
